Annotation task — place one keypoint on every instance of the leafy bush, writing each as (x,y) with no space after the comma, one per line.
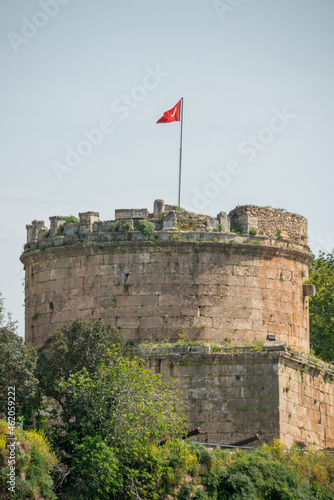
(185,492)
(237,230)
(96,470)
(146,227)
(322,306)
(114,227)
(312,466)
(76,345)
(17,368)
(180,460)
(34,462)
(272,472)
(201,495)
(203,453)
(71,219)
(253,477)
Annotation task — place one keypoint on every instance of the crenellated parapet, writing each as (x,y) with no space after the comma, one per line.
(270,222)
(244,224)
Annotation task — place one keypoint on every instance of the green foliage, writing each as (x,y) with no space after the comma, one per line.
(203,453)
(146,227)
(201,495)
(46,234)
(279,234)
(75,346)
(125,403)
(34,462)
(180,459)
(17,368)
(185,492)
(114,227)
(127,225)
(71,219)
(187,225)
(253,231)
(100,471)
(173,236)
(322,306)
(280,209)
(314,468)
(6,317)
(237,230)
(96,470)
(261,475)
(125,408)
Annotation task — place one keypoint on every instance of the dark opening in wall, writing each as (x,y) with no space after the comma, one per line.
(125,277)
(51,307)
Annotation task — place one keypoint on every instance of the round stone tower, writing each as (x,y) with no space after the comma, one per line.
(172,274)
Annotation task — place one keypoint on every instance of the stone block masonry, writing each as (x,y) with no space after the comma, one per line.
(306,394)
(190,276)
(233,396)
(269,221)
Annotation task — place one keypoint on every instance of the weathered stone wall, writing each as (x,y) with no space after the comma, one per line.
(234,396)
(270,222)
(306,395)
(230,396)
(158,291)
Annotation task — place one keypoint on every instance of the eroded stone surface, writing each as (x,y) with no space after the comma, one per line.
(235,396)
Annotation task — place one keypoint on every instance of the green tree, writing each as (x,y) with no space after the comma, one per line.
(96,470)
(322,306)
(123,402)
(6,317)
(124,409)
(34,462)
(17,369)
(77,345)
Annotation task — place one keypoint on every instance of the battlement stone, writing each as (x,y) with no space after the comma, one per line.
(270,221)
(131,213)
(169,220)
(224,220)
(35,230)
(87,220)
(55,222)
(244,224)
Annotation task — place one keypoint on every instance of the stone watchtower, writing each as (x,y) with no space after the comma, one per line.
(231,280)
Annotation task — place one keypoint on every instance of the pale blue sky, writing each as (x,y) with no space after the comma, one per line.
(233,65)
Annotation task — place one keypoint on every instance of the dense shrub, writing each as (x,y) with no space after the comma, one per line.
(71,219)
(146,227)
(322,306)
(272,473)
(34,462)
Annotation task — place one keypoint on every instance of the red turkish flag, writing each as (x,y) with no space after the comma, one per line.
(173,115)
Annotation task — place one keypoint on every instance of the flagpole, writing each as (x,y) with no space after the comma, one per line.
(181,119)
